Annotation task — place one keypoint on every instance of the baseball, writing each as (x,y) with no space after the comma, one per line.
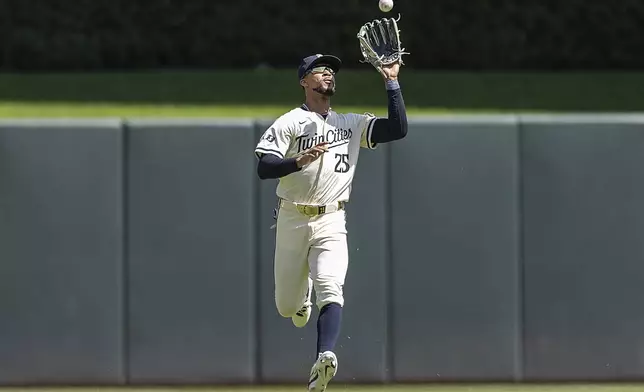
(385,5)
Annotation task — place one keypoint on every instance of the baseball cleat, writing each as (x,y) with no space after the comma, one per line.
(301,318)
(323,370)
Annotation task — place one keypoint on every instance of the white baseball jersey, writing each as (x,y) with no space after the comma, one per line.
(328,179)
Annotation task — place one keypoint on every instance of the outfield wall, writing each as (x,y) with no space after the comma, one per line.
(487,248)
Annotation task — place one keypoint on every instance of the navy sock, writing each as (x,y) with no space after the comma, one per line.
(329,322)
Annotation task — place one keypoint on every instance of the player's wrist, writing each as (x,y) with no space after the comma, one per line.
(392,84)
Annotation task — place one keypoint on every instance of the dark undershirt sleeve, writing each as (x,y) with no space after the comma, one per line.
(272,166)
(394,127)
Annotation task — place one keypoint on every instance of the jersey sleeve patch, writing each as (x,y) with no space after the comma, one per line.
(275,140)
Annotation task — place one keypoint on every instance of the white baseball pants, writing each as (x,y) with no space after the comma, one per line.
(309,249)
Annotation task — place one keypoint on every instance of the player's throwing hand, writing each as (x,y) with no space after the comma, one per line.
(311,154)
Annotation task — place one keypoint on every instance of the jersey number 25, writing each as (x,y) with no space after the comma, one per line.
(342,164)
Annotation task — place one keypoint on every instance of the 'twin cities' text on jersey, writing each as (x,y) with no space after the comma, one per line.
(328,179)
(334,137)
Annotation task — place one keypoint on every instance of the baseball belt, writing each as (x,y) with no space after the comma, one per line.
(315,210)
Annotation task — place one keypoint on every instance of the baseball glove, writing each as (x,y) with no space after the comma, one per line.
(380,42)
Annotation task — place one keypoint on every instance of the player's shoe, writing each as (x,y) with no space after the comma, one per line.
(323,370)
(301,318)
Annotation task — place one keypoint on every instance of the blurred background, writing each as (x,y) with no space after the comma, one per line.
(498,245)
(223,58)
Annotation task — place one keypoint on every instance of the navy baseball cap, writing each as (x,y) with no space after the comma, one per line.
(315,60)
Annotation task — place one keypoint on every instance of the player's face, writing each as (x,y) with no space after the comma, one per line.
(321,80)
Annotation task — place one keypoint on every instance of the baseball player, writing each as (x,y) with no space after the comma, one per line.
(313,151)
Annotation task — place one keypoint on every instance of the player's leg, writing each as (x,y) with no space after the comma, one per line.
(328,261)
(291,270)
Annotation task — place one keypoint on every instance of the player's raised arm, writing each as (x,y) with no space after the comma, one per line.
(380,45)
(394,127)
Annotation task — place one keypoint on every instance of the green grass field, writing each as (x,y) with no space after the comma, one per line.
(268,93)
(385,388)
